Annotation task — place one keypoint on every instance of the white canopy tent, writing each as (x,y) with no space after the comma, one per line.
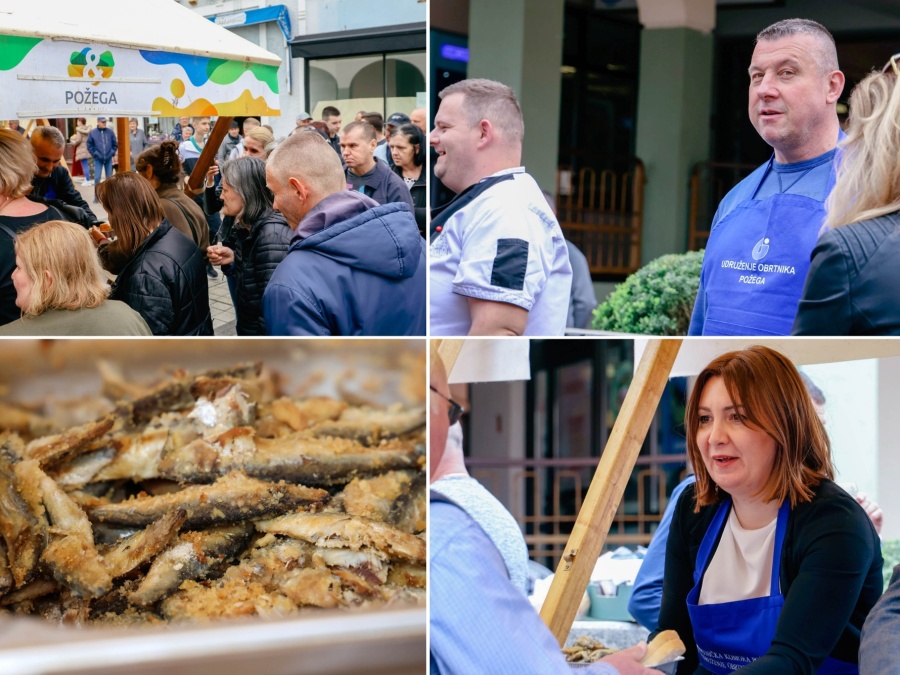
(150,57)
(127,58)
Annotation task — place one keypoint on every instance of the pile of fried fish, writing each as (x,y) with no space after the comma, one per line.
(210,496)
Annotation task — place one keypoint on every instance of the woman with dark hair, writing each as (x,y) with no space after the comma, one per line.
(258,242)
(770,566)
(60,286)
(162,274)
(161,165)
(408,152)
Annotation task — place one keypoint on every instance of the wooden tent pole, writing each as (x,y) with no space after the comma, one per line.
(198,175)
(449,351)
(123,138)
(607,487)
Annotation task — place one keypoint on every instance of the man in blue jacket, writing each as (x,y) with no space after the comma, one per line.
(765,229)
(354,267)
(364,172)
(102,145)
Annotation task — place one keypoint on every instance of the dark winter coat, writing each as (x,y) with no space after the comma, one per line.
(257,252)
(354,268)
(165,282)
(417,192)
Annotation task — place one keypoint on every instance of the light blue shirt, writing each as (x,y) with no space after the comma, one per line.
(480,622)
(646,596)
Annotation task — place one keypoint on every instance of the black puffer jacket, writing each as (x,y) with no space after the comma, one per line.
(257,253)
(417,192)
(165,282)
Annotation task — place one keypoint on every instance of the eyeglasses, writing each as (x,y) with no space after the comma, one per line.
(454,412)
(892,63)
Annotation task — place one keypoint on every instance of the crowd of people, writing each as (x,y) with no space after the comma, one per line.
(315,234)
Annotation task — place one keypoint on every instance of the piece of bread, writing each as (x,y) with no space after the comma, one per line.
(665,647)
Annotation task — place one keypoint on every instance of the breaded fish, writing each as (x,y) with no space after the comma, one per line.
(409,508)
(23,523)
(370,426)
(232,498)
(195,555)
(339,531)
(51,449)
(132,551)
(70,555)
(295,458)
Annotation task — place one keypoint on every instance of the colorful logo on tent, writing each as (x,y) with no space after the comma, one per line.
(87,63)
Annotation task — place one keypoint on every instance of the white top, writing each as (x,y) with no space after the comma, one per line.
(510,224)
(741,567)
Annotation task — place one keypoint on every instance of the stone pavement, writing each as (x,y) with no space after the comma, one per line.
(219,298)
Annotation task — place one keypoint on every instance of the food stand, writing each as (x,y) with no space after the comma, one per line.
(129,58)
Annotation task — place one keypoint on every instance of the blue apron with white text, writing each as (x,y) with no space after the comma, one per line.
(731,635)
(756,261)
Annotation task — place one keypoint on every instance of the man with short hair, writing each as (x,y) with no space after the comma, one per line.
(365,173)
(229,143)
(332,118)
(499,264)
(354,267)
(419,118)
(382,151)
(766,227)
(52,181)
(15,126)
(102,145)
(304,119)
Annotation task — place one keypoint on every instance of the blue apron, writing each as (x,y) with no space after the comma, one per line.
(757,258)
(731,635)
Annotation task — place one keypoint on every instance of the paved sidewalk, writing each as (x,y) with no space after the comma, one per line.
(219,298)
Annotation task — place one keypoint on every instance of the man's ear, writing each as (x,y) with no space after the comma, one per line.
(300,188)
(486,133)
(835,86)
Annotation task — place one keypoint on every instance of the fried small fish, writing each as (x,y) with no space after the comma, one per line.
(23,522)
(370,426)
(295,458)
(408,511)
(338,531)
(141,546)
(232,498)
(51,449)
(195,555)
(70,555)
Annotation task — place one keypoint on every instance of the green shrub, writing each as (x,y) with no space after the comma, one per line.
(656,300)
(890,551)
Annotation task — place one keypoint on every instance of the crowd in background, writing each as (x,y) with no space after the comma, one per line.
(347,203)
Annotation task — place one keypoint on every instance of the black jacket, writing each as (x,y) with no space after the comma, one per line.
(257,253)
(830,575)
(852,287)
(165,282)
(58,186)
(417,192)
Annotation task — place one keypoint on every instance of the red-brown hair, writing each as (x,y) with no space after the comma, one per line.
(775,400)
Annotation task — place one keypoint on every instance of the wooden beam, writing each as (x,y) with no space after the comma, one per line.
(607,487)
(123,137)
(198,174)
(449,351)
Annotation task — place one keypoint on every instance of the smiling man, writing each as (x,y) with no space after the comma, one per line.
(52,181)
(766,227)
(499,263)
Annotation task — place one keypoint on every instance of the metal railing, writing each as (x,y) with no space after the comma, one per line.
(601,212)
(545,497)
(710,182)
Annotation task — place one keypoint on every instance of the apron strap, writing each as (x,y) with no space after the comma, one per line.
(712,533)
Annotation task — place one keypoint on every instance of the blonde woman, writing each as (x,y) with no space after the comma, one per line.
(852,287)
(17,212)
(60,287)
